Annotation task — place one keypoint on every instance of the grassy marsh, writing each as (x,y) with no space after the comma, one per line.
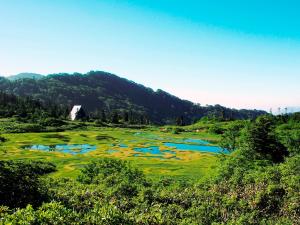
(119,143)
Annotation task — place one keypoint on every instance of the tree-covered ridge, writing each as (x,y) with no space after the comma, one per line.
(101,91)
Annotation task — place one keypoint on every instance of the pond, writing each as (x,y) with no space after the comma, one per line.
(64,148)
(154,150)
(192,147)
(123,146)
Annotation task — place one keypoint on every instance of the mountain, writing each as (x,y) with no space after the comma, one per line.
(100,91)
(25,75)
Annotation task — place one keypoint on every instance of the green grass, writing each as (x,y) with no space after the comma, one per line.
(194,165)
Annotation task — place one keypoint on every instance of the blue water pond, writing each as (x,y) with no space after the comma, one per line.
(64,148)
(123,146)
(191,147)
(154,150)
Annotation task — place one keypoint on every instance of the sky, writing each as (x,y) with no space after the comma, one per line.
(241,54)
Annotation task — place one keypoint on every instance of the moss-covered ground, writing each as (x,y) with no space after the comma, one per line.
(120,143)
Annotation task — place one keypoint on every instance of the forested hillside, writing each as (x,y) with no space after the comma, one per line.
(100,91)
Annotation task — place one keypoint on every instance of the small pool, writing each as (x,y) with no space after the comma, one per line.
(123,146)
(192,147)
(152,150)
(64,148)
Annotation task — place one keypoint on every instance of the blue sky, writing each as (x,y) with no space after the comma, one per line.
(243,54)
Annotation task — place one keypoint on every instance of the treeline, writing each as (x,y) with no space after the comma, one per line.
(98,91)
(258,183)
(117,117)
(28,108)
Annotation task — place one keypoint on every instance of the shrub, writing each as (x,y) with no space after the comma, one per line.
(216,129)
(261,139)
(52,122)
(19,183)
(177,130)
(2,139)
(110,171)
(23,128)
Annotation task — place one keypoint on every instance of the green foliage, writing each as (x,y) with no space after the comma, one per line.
(230,138)
(99,123)
(289,134)
(177,130)
(26,109)
(261,194)
(19,183)
(49,213)
(216,129)
(52,122)
(111,172)
(115,117)
(261,140)
(295,117)
(2,140)
(293,143)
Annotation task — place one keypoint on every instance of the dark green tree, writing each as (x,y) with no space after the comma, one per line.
(103,116)
(125,116)
(19,183)
(230,138)
(179,121)
(260,138)
(115,117)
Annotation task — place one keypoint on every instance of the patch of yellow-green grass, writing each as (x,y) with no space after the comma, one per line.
(184,164)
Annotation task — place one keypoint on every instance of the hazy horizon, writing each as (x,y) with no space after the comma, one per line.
(240,55)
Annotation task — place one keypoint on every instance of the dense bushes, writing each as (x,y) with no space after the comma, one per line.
(231,136)
(2,139)
(52,122)
(216,129)
(19,183)
(45,125)
(261,195)
(109,171)
(260,138)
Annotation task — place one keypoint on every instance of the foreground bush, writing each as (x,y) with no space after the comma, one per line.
(19,182)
